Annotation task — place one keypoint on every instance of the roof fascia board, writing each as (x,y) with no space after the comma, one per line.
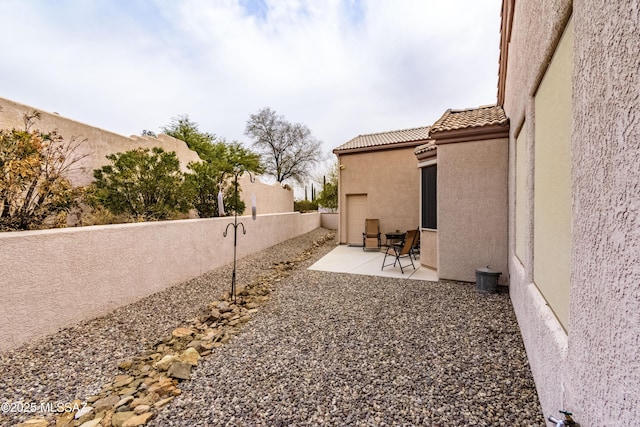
(381,147)
(427,155)
(471,134)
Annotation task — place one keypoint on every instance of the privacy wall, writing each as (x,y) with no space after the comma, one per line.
(53,278)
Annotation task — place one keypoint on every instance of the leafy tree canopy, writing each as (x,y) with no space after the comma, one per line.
(220,161)
(288,150)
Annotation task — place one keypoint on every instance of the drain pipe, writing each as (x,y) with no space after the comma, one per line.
(568,421)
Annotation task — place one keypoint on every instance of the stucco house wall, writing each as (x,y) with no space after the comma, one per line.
(391,181)
(472,208)
(270,198)
(590,367)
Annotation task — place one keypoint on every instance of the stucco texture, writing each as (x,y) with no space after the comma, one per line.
(53,278)
(592,368)
(603,380)
(390,178)
(472,208)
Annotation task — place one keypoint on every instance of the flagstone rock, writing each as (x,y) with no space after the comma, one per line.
(141,409)
(126,365)
(190,356)
(180,370)
(164,386)
(106,402)
(93,423)
(182,332)
(122,380)
(34,422)
(123,401)
(163,402)
(224,307)
(138,420)
(118,419)
(65,419)
(165,363)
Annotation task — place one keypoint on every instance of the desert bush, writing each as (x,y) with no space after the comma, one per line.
(145,184)
(34,189)
(304,206)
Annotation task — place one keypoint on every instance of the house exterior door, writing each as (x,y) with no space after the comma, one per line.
(356,214)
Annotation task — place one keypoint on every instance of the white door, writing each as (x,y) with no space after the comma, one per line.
(356,214)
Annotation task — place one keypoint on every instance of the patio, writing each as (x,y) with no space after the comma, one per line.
(353,260)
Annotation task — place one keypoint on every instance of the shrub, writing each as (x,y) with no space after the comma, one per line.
(304,206)
(34,190)
(144,184)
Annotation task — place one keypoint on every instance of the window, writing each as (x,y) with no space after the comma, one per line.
(429,199)
(552,211)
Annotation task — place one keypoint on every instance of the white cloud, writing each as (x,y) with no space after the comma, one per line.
(342,67)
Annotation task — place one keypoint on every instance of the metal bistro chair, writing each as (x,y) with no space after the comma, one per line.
(371,237)
(401,250)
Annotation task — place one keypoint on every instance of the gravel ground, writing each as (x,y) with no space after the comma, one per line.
(328,349)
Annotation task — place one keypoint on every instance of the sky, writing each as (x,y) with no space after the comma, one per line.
(341,67)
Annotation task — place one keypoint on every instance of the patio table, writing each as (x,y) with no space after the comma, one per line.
(394,237)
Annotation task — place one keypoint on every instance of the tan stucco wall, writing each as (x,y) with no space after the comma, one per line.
(53,278)
(330,221)
(270,198)
(472,208)
(592,368)
(429,248)
(391,180)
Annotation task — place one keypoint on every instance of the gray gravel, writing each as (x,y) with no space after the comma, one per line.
(328,349)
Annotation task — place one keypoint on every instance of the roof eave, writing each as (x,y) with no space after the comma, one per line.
(469,134)
(426,155)
(379,147)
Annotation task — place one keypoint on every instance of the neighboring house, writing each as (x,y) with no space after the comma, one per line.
(463,193)
(98,143)
(379,178)
(569,81)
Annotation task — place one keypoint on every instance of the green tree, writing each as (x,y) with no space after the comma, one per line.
(34,189)
(145,184)
(328,197)
(288,150)
(220,161)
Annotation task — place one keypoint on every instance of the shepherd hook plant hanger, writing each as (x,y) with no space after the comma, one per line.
(235,223)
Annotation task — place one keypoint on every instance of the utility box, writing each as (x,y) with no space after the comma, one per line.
(487,280)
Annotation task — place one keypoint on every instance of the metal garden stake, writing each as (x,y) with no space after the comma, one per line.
(235,225)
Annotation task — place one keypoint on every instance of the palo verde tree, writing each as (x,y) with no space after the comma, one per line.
(220,161)
(144,184)
(288,150)
(34,189)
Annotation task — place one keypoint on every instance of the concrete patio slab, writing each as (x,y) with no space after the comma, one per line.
(353,260)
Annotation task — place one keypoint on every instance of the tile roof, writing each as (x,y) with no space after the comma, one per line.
(471,118)
(429,146)
(386,138)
